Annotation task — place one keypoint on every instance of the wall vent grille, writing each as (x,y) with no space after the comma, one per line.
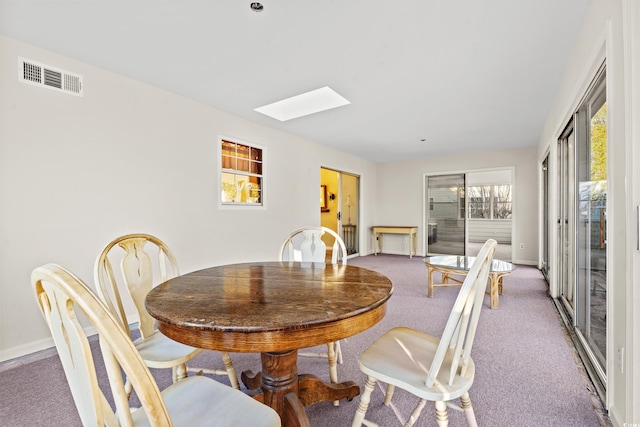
(34,73)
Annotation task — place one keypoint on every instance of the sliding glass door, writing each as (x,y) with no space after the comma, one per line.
(566,216)
(545,218)
(582,225)
(591,218)
(463,210)
(340,206)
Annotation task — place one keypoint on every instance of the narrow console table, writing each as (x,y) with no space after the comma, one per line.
(379,230)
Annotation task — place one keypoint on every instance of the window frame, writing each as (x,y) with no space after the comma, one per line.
(222,204)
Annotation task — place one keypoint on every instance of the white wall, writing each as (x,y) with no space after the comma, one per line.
(77,172)
(488,178)
(603,36)
(400,189)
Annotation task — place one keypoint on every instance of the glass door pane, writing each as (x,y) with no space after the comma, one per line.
(591,231)
(489,211)
(566,203)
(446,214)
(349,195)
(545,218)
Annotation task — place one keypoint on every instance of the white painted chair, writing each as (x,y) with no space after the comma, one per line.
(145,261)
(306,245)
(194,401)
(433,369)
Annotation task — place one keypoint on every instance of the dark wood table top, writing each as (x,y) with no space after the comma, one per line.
(269,306)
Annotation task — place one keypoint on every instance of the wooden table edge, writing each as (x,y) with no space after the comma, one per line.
(275,340)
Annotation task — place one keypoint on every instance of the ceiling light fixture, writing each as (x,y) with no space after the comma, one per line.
(304,104)
(257,7)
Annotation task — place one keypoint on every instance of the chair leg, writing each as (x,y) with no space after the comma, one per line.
(441,414)
(389,394)
(179,372)
(333,368)
(338,352)
(416,413)
(365,398)
(231,371)
(465,402)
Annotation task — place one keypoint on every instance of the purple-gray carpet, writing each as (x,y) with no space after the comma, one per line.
(526,374)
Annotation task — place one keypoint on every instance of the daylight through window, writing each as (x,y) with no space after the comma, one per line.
(489,202)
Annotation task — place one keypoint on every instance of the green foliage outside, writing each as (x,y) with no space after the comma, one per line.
(599,145)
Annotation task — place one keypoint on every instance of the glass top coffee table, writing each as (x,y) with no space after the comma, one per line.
(456,265)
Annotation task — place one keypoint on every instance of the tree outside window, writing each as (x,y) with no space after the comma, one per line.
(489,201)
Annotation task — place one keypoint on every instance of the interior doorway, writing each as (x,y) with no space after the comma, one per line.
(340,206)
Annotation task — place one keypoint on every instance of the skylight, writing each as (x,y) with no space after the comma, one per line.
(304,104)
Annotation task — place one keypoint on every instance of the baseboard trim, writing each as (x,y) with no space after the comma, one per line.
(32,350)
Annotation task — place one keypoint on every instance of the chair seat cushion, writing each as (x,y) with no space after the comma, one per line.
(402,357)
(202,401)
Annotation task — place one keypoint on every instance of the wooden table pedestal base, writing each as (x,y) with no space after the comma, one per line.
(287,392)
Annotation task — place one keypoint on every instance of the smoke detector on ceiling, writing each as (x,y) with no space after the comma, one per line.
(38,74)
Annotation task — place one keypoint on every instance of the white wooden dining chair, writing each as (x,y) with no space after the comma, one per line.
(433,369)
(306,245)
(146,261)
(194,401)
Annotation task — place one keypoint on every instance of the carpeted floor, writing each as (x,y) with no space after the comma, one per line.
(526,373)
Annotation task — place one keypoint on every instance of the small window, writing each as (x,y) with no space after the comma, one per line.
(241,174)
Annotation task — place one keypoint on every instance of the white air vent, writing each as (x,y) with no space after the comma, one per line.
(42,75)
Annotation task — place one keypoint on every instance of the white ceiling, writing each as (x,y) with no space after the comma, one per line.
(464,75)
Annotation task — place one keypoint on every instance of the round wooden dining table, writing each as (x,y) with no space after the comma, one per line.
(273,308)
